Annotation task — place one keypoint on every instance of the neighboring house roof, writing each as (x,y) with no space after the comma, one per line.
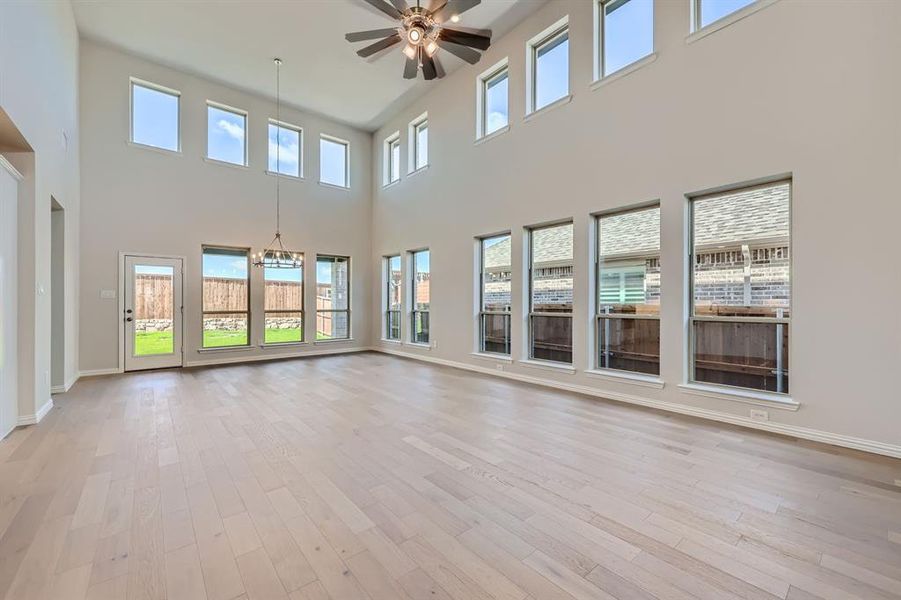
(756,215)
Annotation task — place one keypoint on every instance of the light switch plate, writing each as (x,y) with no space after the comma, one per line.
(108,294)
(760,415)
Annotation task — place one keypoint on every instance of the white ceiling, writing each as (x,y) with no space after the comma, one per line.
(234,42)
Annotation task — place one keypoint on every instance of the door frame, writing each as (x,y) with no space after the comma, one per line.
(120,292)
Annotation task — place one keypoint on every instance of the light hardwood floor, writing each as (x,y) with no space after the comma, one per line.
(368,476)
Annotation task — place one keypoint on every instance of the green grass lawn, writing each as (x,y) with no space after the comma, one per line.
(160,342)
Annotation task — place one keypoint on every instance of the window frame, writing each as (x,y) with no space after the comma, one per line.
(413,311)
(690,289)
(302,310)
(135,81)
(530,253)
(483,82)
(413,146)
(235,111)
(391,142)
(600,35)
(696,30)
(290,127)
(346,144)
(387,311)
(248,312)
(533,46)
(482,313)
(337,310)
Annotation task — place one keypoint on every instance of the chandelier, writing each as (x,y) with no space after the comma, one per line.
(274,255)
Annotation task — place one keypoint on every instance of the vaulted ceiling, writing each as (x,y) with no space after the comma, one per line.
(234,42)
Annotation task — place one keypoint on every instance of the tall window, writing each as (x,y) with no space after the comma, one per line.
(495,280)
(332,297)
(334,157)
(392,159)
(285,149)
(226,297)
(741,287)
(551,293)
(154,116)
(493,99)
(549,67)
(709,11)
(419,142)
(393,290)
(628,291)
(226,134)
(283,305)
(626,33)
(421,294)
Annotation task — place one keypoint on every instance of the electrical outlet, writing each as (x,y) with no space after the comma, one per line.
(760,415)
(499,367)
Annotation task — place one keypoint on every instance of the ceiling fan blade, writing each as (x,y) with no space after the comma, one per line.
(429,70)
(411,68)
(439,68)
(454,7)
(467,54)
(379,46)
(372,34)
(400,5)
(385,8)
(466,38)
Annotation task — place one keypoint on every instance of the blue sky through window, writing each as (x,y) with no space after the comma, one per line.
(332,162)
(496,103)
(226,135)
(552,71)
(628,32)
(714,10)
(152,270)
(292,275)
(154,118)
(232,266)
(422,261)
(284,148)
(422,145)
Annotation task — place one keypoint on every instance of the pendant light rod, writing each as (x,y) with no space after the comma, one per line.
(278,144)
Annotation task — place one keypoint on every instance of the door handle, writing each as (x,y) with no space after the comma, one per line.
(128,319)
(128,311)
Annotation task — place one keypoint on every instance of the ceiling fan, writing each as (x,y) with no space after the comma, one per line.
(424,31)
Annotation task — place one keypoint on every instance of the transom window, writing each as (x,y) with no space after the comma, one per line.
(393,294)
(226,297)
(226,134)
(334,156)
(551,293)
(706,12)
(420,291)
(628,290)
(419,143)
(626,33)
(493,99)
(392,159)
(283,304)
(741,287)
(332,297)
(549,67)
(285,149)
(155,116)
(495,281)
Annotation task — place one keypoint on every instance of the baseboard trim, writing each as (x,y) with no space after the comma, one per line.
(257,358)
(62,389)
(36,417)
(816,435)
(99,372)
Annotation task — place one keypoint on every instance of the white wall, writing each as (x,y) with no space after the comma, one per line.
(144,201)
(797,87)
(38,90)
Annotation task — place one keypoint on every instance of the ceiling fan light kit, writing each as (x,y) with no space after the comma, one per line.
(424,32)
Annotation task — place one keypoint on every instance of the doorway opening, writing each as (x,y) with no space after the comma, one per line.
(152,312)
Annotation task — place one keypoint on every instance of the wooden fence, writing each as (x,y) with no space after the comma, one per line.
(153,295)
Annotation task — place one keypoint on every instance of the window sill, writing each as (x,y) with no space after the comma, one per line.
(390,184)
(555,104)
(225,349)
(417,171)
(224,163)
(387,341)
(489,356)
(419,345)
(728,20)
(266,346)
(492,135)
(548,366)
(345,188)
(625,377)
(285,176)
(627,70)
(334,340)
(154,148)
(770,399)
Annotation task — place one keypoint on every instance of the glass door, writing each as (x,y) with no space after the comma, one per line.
(153,313)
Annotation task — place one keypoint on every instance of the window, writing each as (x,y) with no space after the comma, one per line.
(393,290)
(226,134)
(548,61)
(493,100)
(226,297)
(285,143)
(626,33)
(392,159)
(420,284)
(551,293)
(334,156)
(706,12)
(419,142)
(495,281)
(332,297)
(154,116)
(628,291)
(283,304)
(741,287)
